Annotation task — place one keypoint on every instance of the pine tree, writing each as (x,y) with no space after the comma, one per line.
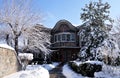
(94,30)
(97,13)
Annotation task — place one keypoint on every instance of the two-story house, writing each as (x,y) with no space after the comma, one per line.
(64,41)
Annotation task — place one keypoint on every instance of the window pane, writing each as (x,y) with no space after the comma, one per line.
(59,37)
(55,37)
(72,37)
(63,37)
(68,37)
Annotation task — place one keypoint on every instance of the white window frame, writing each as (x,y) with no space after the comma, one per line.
(65,37)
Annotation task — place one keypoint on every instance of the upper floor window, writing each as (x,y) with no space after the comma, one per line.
(63,37)
(72,37)
(68,37)
(59,37)
(55,38)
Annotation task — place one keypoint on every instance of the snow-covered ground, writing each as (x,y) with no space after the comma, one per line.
(50,66)
(69,73)
(32,71)
(92,62)
(107,72)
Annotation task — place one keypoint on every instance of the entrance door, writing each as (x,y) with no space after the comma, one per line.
(66,56)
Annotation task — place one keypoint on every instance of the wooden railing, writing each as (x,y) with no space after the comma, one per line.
(64,44)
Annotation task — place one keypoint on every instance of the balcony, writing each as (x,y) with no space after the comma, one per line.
(64,45)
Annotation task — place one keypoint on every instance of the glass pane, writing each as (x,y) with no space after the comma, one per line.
(68,37)
(59,37)
(63,37)
(72,37)
(55,37)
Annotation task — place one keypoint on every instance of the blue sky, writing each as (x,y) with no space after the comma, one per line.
(55,10)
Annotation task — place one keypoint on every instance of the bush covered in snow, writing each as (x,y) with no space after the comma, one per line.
(87,68)
(25,59)
(69,73)
(107,72)
(110,51)
(74,67)
(28,56)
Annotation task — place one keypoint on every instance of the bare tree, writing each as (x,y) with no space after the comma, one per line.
(5,35)
(18,16)
(38,39)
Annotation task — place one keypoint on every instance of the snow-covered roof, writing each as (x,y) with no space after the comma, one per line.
(6,46)
(42,28)
(58,24)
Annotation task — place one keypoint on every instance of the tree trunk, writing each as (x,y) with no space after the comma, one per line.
(16,44)
(7,39)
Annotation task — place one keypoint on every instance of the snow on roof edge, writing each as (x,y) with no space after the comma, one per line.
(6,46)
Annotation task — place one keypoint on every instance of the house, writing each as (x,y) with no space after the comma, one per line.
(64,41)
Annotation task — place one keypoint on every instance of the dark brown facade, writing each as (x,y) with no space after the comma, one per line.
(64,39)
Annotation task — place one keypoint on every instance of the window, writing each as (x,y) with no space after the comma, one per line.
(68,37)
(55,38)
(63,37)
(59,37)
(72,37)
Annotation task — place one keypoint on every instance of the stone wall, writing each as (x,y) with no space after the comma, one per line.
(8,62)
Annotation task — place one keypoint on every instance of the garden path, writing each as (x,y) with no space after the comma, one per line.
(57,72)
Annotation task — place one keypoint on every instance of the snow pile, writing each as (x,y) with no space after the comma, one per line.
(108,72)
(89,61)
(28,56)
(6,46)
(50,66)
(77,62)
(69,73)
(94,62)
(35,71)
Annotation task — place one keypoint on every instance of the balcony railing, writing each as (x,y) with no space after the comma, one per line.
(63,44)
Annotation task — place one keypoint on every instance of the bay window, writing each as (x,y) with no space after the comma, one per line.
(64,37)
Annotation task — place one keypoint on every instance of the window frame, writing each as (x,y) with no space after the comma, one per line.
(59,37)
